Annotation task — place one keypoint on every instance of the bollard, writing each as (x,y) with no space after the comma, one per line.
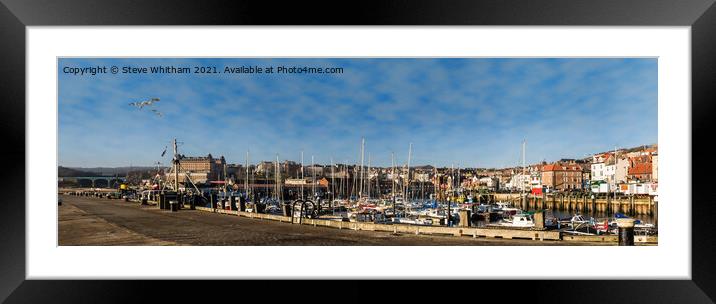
(174,206)
(242,204)
(286,208)
(626,231)
(260,208)
(465,218)
(539,219)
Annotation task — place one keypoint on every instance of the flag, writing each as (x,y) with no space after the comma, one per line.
(165,151)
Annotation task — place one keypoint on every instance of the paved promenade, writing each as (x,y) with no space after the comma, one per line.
(96,221)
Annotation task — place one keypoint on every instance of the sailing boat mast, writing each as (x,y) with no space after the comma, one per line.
(362,156)
(226,180)
(333,182)
(277,172)
(246,181)
(436,184)
(378,172)
(422,189)
(368,177)
(175,163)
(392,181)
(354,182)
(522,193)
(303,180)
(452,178)
(614,176)
(392,174)
(346,179)
(458,177)
(407,186)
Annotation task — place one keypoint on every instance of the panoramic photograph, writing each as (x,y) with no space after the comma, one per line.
(357,151)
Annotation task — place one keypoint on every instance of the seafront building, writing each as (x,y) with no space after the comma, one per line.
(624,171)
(200,169)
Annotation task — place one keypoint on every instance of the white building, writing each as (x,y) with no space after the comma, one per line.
(297,181)
(603,168)
(421,177)
(621,170)
(491,183)
(519,182)
(535,180)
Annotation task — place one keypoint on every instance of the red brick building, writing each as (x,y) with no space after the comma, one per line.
(562,176)
(640,171)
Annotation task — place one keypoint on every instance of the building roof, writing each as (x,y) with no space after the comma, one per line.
(550,168)
(640,168)
(556,167)
(200,158)
(194,158)
(640,160)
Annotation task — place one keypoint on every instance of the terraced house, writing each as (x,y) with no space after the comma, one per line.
(562,176)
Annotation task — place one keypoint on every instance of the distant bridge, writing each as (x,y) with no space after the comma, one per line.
(94,181)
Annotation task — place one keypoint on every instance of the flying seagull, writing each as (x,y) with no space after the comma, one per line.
(157,112)
(141,104)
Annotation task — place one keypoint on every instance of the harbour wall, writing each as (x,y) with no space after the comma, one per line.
(475,232)
(578,202)
(402,228)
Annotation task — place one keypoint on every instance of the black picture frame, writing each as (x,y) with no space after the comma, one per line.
(16,15)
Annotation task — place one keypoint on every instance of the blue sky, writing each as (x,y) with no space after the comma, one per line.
(469,112)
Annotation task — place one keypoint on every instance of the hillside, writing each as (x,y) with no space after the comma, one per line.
(99,171)
(68,172)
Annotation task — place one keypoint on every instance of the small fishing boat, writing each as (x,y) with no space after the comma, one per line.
(639,226)
(412,221)
(520,220)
